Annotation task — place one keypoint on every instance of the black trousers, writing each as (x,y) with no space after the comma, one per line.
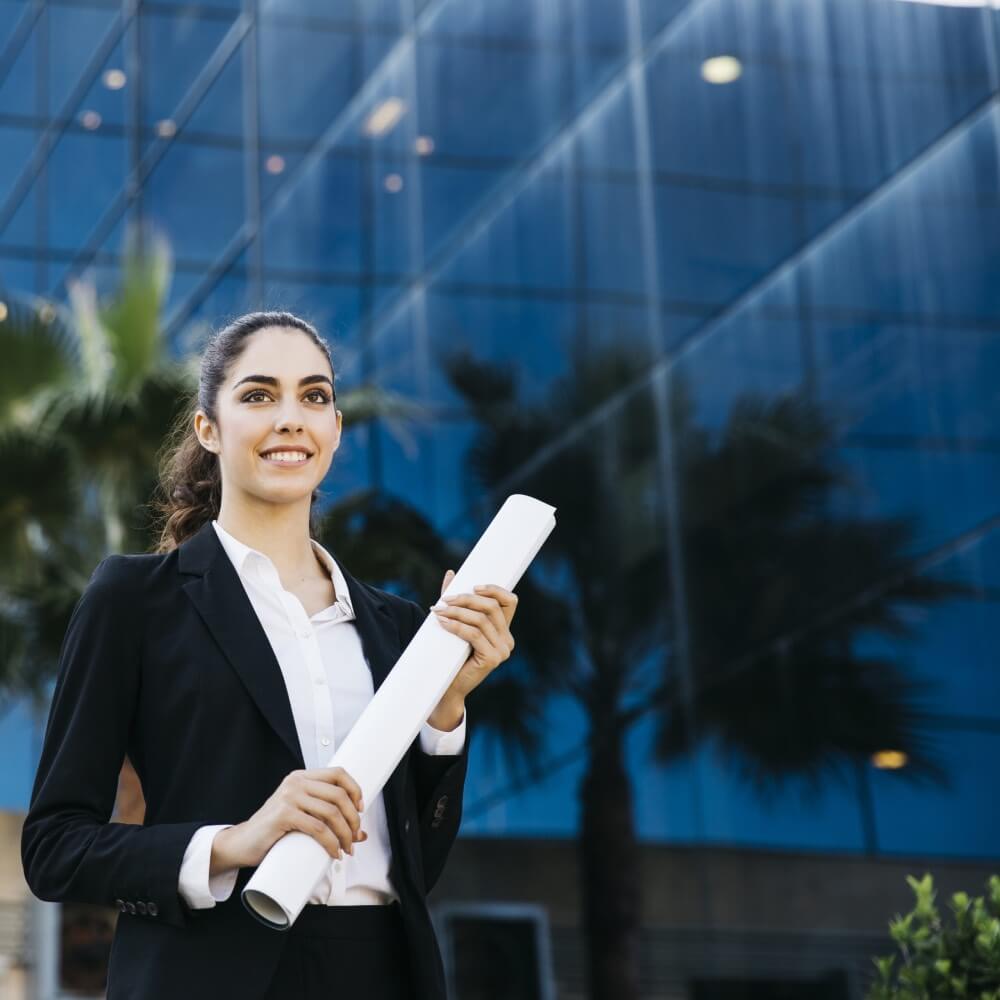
(349,951)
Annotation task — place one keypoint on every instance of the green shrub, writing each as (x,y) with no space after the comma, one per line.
(938,962)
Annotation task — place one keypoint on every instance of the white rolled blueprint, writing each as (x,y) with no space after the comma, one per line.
(286,876)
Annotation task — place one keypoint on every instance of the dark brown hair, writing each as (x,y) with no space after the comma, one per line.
(189,491)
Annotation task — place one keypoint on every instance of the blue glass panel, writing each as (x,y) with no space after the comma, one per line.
(792,817)
(713,245)
(74,35)
(950,493)
(195,195)
(499,806)
(958,820)
(176,48)
(881,259)
(17,277)
(958,633)
(220,111)
(530,339)
(491,102)
(106,105)
(307,76)
(86,173)
(316,224)
(13,13)
(527,240)
(17,144)
(18,94)
(891,382)
(22,230)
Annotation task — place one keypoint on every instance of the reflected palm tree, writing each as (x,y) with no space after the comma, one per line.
(778,589)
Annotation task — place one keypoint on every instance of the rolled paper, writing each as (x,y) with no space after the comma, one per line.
(288,873)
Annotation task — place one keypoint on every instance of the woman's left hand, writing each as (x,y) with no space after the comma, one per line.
(483,619)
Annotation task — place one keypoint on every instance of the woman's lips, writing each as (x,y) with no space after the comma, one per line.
(283,464)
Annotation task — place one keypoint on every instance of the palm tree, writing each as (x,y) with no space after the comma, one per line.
(777,589)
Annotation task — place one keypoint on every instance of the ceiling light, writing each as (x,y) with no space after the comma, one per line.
(114,79)
(721,69)
(424,145)
(394,183)
(166,128)
(385,117)
(274,164)
(3,311)
(889,760)
(90,120)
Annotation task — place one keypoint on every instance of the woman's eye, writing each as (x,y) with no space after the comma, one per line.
(323,397)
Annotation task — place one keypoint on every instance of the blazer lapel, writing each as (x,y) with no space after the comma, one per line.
(217,593)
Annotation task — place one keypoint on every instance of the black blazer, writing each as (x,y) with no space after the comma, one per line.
(165,659)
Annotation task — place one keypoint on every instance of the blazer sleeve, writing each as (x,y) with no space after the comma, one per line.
(440,785)
(70,851)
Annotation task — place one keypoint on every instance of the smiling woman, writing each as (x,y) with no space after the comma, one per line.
(266,388)
(228,665)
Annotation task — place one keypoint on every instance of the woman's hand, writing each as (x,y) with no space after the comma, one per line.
(483,619)
(324,802)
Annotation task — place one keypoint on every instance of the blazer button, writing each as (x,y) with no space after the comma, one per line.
(130,906)
(141,907)
(152,909)
(120,903)
(406,826)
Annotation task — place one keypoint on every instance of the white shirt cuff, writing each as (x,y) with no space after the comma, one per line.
(200,890)
(440,741)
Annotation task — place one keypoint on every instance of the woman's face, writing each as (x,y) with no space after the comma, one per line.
(263,404)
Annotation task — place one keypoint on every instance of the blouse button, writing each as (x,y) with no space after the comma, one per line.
(325,741)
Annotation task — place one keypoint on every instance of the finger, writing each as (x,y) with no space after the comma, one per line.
(488,605)
(338,797)
(505,598)
(448,577)
(338,776)
(333,818)
(477,629)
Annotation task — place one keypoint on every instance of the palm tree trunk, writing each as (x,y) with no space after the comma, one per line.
(609,874)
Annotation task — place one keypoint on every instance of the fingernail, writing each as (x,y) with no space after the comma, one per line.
(438,607)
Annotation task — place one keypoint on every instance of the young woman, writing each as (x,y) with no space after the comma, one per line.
(229,665)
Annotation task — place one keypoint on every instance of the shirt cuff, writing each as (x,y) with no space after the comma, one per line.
(439,741)
(200,890)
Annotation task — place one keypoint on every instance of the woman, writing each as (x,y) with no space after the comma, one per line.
(228,665)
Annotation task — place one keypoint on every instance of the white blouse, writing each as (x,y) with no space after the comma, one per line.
(329,684)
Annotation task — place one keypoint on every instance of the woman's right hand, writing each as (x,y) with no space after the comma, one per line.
(324,802)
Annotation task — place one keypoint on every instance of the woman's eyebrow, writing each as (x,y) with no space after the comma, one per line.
(271,380)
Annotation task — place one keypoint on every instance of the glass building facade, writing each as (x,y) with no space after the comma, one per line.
(722,275)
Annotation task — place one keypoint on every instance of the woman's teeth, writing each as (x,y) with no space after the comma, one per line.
(286,456)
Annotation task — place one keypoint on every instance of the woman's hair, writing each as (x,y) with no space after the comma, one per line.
(189,490)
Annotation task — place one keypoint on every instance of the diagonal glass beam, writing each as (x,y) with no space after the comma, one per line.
(15,45)
(133,183)
(54,130)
